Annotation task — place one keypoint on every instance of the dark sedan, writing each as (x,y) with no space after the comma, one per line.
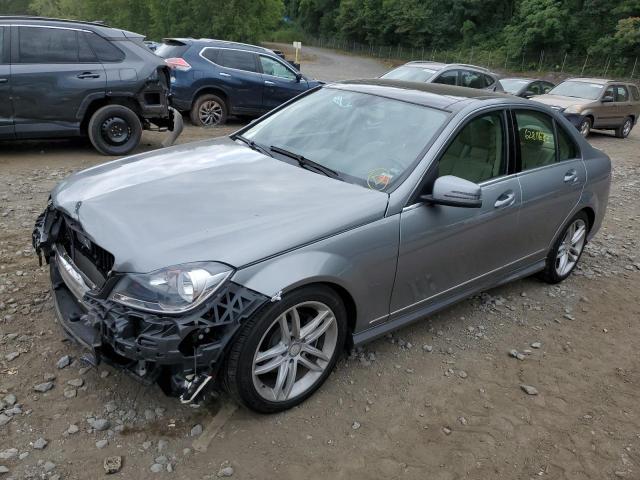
(526,87)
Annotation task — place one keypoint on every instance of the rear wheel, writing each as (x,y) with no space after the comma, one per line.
(567,250)
(115,130)
(624,130)
(284,353)
(585,127)
(209,110)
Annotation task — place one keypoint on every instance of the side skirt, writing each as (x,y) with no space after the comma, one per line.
(378,331)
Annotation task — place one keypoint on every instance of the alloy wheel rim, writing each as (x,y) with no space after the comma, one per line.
(115,130)
(571,247)
(295,351)
(210,112)
(627,128)
(584,128)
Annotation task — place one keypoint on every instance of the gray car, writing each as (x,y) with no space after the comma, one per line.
(353,210)
(460,74)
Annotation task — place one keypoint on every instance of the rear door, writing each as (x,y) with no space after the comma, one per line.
(240,73)
(6,108)
(53,74)
(552,176)
(280,82)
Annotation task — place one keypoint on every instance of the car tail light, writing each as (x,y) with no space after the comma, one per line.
(178,64)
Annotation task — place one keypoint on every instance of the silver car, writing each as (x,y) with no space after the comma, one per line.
(460,74)
(252,261)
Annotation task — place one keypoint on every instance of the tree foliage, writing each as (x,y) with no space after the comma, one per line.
(242,20)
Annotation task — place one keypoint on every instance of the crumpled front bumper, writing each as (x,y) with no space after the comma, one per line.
(144,344)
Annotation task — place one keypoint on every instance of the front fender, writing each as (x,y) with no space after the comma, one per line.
(361,261)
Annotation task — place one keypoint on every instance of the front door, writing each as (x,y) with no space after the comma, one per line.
(53,73)
(607,111)
(241,77)
(552,176)
(280,83)
(445,251)
(6,107)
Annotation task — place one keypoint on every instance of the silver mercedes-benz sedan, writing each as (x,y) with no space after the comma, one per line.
(252,261)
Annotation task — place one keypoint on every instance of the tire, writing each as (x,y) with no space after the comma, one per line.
(256,383)
(115,130)
(624,130)
(208,111)
(585,127)
(554,271)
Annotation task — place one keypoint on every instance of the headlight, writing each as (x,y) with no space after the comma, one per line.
(573,109)
(174,289)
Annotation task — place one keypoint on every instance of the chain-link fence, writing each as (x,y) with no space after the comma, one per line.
(543,62)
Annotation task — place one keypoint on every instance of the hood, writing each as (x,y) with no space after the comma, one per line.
(209,201)
(561,101)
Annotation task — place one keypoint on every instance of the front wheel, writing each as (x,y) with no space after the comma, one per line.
(286,352)
(208,111)
(624,130)
(585,127)
(115,130)
(567,250)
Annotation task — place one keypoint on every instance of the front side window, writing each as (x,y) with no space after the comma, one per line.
(472,79)
(276,69)
(47,45)
(237,59)
(488,80)
(536,138)
(369,140)
(409,74)
(622,95)
(477,153)
(547,87)
(448,78)
(609,94)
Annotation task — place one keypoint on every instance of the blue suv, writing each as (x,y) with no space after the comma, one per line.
(215,78)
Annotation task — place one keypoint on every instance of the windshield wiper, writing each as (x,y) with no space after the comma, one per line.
(253,145)
(304,162)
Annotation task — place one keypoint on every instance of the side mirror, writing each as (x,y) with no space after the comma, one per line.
(528,94)
(607,99)
(298,77)
(455,192)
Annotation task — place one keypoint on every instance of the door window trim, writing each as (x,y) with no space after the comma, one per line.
(255,59)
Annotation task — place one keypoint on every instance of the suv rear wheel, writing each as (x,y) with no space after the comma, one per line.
(209,110)
(624,130)
(115,130)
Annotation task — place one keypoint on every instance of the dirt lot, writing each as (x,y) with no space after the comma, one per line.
(439,400)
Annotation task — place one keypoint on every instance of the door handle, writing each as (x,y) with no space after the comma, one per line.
(507,199)
(84,75)
(571,176)
(4,80)
(267,82)
(222,74)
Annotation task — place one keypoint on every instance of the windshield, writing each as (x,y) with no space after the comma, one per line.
(513,85)
(366,139)
(570,88)
(410,74)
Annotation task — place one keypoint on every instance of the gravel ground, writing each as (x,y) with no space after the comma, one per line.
(442,399)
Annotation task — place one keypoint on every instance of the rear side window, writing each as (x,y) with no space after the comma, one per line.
(237,59)
(537,139)
(621,94)
(567,148)
(472,79)
(477,153)
(448,78)
(105,50)
(3,55)
(47,45)
(211,54)
(634,92)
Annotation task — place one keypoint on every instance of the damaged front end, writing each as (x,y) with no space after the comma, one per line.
(181,352)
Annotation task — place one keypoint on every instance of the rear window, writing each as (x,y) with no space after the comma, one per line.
(171,49)
(634,92)
(105,50)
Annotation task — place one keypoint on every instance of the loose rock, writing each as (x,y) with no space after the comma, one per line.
(40,444)
(529,390)
(63,362)
(43,387)
(112,464)
(196,431)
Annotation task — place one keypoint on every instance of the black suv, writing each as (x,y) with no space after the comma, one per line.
(61,78)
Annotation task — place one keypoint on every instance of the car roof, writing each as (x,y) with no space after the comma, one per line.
(440,65)
(601,81)
(212,42)
(97,26)
(428,94)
